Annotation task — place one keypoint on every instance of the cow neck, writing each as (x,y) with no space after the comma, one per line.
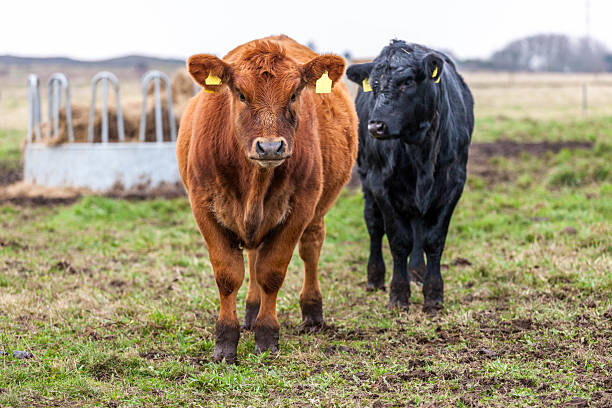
(426,157)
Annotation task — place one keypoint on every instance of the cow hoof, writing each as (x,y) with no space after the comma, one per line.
(223,352)
(312,316)
(373,287)
(226,343)
(399,295)
(266,339)
(376,277)
(309,325)
(399,304)
(250,314)
(432,307)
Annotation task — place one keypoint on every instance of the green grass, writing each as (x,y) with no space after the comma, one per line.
(10,141)
(116,301)
(491,128)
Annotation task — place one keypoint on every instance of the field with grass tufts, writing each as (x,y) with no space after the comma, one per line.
(113,303)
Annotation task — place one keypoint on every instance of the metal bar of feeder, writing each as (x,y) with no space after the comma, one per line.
(104,110)
(105,77)
(34,117)
(57,100)
(57,83)
(159,130)
(156,77)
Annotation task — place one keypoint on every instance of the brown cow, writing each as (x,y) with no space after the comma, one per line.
(263,158)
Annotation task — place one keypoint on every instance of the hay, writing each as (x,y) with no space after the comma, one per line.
(80,125)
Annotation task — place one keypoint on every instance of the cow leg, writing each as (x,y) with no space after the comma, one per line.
(400,242)
(399,292)
(311,301)
(253,297)
(433,285)
(376,230)
(229,274)
(416,266)
(228,266)
(272,261)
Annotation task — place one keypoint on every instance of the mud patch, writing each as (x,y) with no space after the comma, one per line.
(509,148)
(10,174)
(481,153)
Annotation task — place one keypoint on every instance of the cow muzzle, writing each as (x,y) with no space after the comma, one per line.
(378,129)
(269,152)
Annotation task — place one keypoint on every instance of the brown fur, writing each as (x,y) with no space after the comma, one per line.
(267,210)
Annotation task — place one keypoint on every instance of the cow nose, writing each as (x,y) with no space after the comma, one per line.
(377,127)
(270,150)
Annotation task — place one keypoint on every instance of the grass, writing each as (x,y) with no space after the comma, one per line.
(116,300)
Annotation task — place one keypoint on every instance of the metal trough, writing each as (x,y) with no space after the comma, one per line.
(100,167)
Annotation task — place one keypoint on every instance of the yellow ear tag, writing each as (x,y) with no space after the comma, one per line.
(366,85)
(211,80)
(433,75)
(323,84)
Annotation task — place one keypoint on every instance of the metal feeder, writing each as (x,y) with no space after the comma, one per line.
(106,166)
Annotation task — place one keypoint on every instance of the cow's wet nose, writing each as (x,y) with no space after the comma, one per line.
(377,127)
(270,149)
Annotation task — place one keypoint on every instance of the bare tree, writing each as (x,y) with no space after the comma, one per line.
(552,52)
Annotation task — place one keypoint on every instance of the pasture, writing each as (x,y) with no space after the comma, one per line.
(114,301)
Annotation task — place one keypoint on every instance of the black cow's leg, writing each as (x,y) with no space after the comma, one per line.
(416,266)
(376,230)
(400,242)
(433,286)
(399,293)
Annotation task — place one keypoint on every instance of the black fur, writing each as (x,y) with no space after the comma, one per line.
(413,171)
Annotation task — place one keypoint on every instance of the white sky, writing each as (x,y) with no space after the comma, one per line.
(178,28)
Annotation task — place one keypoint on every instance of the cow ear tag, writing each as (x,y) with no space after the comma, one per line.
(212,80)
(323,84)
(366,85)
(433,75)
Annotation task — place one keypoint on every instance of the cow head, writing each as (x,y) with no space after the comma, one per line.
(405,82)
(265,88)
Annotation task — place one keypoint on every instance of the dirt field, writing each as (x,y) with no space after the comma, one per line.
(111,302)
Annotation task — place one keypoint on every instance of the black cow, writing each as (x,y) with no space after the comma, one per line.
(414,134)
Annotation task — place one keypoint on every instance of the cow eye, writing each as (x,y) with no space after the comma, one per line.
(241,96)
(293,98)
(408,82)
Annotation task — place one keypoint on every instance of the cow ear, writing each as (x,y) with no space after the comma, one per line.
(209,71)
(314,69)
(358,72)
(433,64)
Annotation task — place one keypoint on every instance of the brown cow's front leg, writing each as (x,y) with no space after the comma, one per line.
(311,301)
(228,266)
(253,298)
(272,261)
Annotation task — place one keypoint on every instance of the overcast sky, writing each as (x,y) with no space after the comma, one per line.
(178,28)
